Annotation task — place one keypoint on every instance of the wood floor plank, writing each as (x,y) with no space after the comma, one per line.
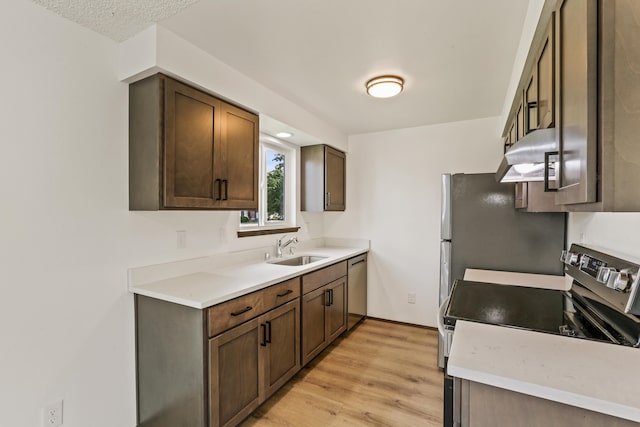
(381,374)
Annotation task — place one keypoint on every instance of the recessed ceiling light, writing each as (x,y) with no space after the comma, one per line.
(284,134)
(385,86)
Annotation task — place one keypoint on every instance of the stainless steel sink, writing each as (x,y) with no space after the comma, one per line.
(299,260)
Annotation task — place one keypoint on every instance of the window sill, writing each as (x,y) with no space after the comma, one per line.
(266,231)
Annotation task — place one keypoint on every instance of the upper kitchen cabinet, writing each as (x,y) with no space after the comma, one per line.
(603,104)
(520,119)
(189,150)
(323,170)
(534,108)
(581,77)
(577,74)
(544,78)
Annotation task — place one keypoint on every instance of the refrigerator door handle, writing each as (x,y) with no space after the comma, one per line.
(440,319)
(445,269)
(445,208)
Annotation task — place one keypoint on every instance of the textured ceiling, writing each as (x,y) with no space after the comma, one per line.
(116,19)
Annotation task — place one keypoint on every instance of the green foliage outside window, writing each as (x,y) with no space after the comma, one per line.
(275,187)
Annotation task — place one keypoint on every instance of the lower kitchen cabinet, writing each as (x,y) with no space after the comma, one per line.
(234,378)
(280,358)
(337,308)
(212,367)
(483,405)
(324,313)
(248,363)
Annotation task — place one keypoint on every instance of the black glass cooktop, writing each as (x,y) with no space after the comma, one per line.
(516,306)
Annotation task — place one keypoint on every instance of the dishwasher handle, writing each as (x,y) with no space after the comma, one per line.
(361,259)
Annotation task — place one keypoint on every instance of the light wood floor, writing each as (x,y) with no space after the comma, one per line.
(381,374)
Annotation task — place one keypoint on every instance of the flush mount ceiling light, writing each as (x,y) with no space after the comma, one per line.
(284,134)
(385,86)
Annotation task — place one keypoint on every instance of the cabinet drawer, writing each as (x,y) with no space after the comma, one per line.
(231,313)
(320,278)
(279,294)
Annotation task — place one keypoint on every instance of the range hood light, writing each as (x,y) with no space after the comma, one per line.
(525,159)
(525,168)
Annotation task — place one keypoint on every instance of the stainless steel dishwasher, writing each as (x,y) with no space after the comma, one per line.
(357,285)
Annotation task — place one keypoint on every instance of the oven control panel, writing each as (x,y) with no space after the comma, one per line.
(619,280)
(613,283)
(591,265)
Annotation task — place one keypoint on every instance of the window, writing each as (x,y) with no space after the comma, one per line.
(276,200)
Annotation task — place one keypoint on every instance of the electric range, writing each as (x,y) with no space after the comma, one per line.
(602,304)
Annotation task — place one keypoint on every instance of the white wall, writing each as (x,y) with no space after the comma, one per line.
(618,232)
(393,198)
(66,234)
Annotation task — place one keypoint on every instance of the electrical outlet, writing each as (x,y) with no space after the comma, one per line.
(182,239)
(412,298)
(52,414)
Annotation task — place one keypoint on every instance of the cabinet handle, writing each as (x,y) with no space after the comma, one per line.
(219,183)
(327,294)
(357,262)
(268,335)
(263,327)
(528,106)
(244,310)
(285,293)
(548,154)
(226,189)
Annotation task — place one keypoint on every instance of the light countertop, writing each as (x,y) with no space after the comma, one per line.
(596,376)
(203,282)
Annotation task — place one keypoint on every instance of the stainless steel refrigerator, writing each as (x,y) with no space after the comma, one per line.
(480,228)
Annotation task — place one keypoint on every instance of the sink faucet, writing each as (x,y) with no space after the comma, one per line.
(280,246)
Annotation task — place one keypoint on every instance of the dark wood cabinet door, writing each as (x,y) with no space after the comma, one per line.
(314,336)
(234,374)
(544,73)
(334,179)
(239,141)
(520,119)
(576,79)
(280,358)
(191,142)
(513,136)
(530,104)
(337,310)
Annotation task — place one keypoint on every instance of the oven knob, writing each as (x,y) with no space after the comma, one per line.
(569,258)
(618,280)
(603,274)
(563,256)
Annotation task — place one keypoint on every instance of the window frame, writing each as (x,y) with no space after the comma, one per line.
(290,151)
